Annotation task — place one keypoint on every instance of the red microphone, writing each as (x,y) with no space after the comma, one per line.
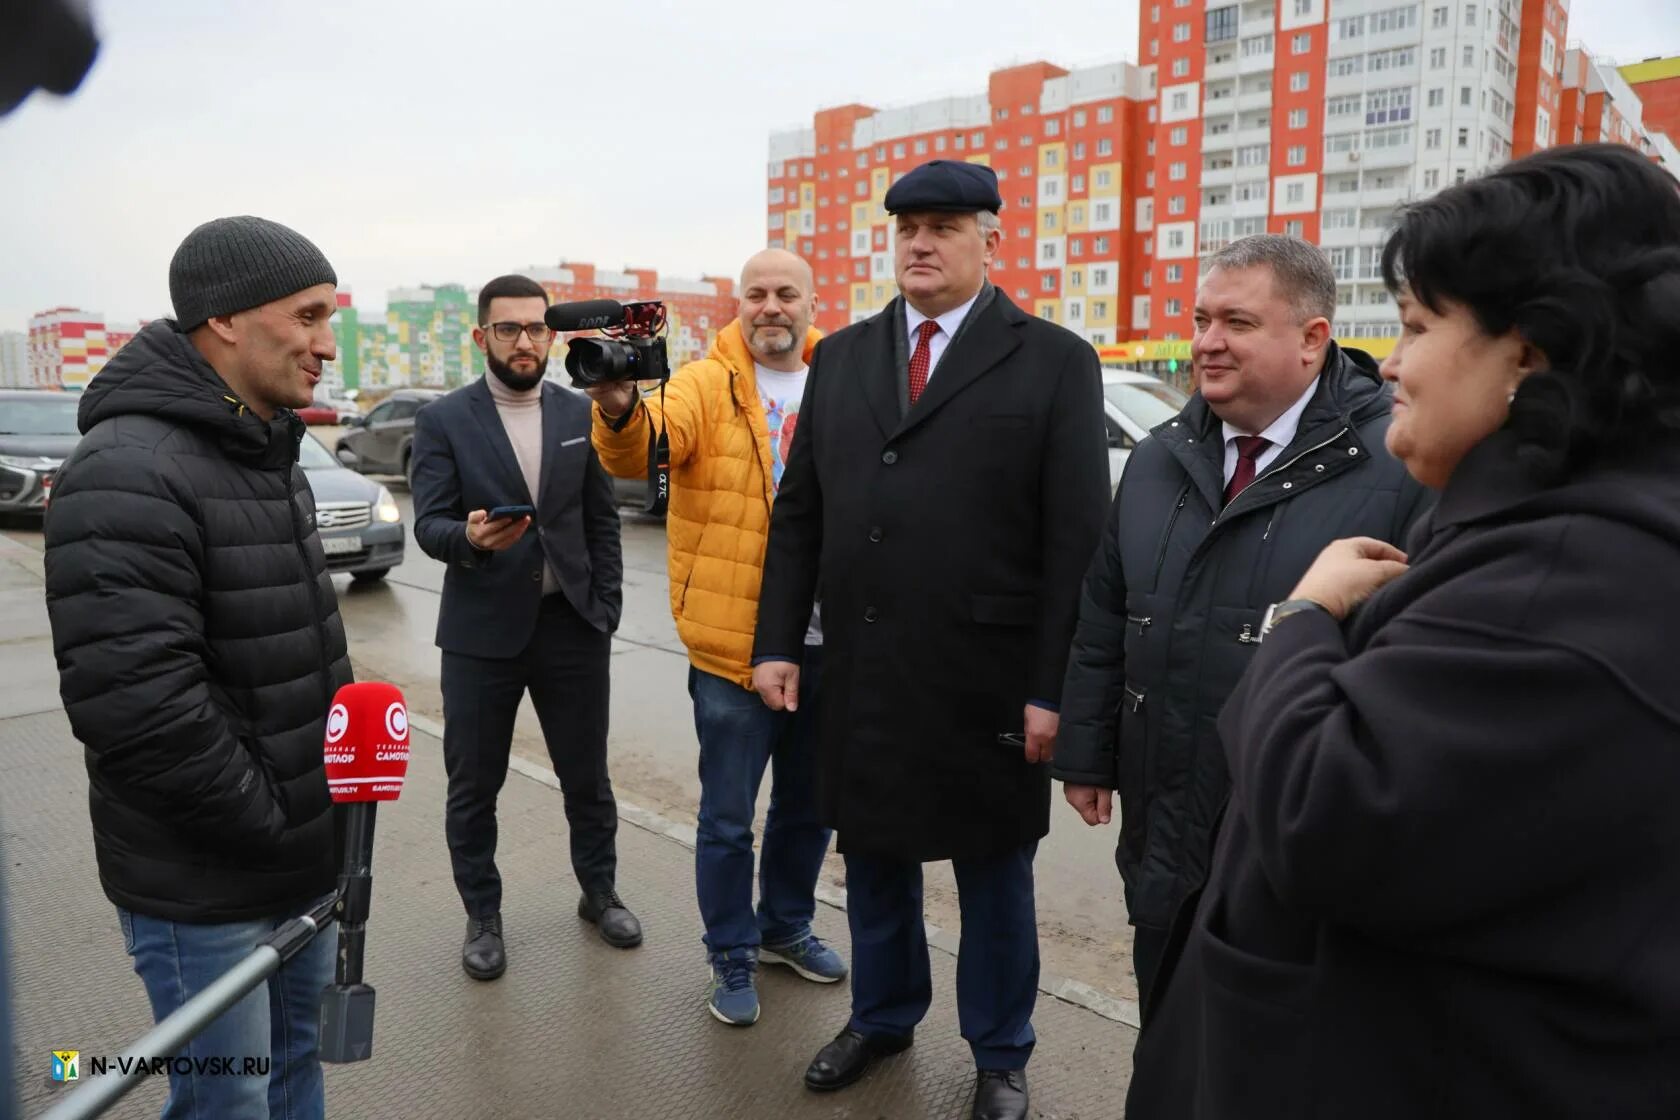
(366,758)
(367,743)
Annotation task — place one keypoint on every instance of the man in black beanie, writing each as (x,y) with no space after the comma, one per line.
(199,646)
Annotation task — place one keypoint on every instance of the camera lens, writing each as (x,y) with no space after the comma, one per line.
(595,361)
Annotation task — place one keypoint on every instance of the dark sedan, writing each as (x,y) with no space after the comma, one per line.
(360,525)
(380,442)
(37,433)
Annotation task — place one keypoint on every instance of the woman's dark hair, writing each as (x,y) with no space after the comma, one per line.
(1578,248)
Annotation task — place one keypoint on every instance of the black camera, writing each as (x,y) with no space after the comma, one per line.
(631,346)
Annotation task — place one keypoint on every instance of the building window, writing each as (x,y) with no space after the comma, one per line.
(1464,96)
(1222,24)
(1079,150)
(1052,127)
(1175,204)
(1300,81)
(1052,158)
(1469,15)
(1469,55)
(1255,155)
(1438,58)
(1104,178)
(1105,114)
(1047,282)
(1078,183)
(1300,44)
(1297,155)
(1105,147)
(1100,246)
(1437,98)
(1297,118)
(1175,307)
(1257,45)
(1178,136)
(1439,17)
(1181,68)
(1432,139)
(1464,138)
(1295,194)
(1175,273)
(1001,114)
(1181,32)
(1431,179)
(1176,171)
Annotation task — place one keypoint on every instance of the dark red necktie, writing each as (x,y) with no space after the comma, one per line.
(1249,449)
(922,360)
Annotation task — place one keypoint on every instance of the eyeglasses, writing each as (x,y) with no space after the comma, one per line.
(509,332)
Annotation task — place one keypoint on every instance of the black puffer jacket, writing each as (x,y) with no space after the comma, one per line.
(1173,602)
(198,641)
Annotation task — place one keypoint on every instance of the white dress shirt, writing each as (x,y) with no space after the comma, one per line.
(948,324)
(1281,433)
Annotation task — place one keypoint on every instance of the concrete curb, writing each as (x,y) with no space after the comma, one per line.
(1060,987)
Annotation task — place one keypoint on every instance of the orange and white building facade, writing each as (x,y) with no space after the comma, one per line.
(1285,116)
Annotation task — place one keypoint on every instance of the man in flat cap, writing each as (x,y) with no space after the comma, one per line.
(199,646)
(947,485)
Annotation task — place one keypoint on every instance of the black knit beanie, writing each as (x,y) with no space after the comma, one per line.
(232,264)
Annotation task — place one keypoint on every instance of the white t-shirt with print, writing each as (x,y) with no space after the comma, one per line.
(781,391)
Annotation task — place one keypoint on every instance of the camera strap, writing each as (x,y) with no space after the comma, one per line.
(659,464)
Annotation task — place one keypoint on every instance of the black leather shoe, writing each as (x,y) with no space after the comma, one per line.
(843,1061)
(483,957)
(1001,1094)
(619,928)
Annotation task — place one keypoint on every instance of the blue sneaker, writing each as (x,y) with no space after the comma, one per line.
(734,998)
(810,958)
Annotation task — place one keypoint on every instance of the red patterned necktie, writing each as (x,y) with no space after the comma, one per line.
(922,360)
(1248,450)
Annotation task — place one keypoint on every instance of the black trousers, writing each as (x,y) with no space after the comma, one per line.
(565,669)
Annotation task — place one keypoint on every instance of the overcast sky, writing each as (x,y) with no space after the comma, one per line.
(432,142)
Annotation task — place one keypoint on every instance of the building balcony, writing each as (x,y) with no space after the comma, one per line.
(1250,102)
(1371,199)
(1246,137)
(1338,238)
(1221,177)
(1221,71)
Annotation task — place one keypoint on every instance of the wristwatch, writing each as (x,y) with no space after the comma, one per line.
(1277,612)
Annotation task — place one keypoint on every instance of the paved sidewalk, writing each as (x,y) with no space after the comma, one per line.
(575,1029)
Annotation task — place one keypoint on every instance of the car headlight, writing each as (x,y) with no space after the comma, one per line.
(385,508)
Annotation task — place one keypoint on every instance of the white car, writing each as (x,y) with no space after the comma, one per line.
(1134,403)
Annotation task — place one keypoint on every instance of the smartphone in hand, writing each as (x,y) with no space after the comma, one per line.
(505,512)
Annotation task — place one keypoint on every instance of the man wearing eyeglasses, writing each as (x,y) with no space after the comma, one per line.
(509,494)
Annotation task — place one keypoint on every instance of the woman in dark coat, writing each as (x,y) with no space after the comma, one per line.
(1447,882)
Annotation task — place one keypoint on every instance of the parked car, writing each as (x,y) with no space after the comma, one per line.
(325,410)
(380,442)
(1134,403)
(360,524)
(37,433)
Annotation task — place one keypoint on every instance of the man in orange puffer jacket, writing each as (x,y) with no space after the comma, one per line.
(730,418)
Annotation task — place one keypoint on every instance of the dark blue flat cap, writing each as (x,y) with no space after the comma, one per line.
(945,184)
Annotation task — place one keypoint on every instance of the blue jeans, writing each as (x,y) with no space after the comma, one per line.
(738,737)
(278,1023)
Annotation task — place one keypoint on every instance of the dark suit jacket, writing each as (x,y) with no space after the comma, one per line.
(951,540)
(463,460)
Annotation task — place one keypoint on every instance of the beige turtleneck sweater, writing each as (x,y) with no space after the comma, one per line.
(521,413)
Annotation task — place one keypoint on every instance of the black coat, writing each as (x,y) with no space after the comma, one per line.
(198,641)
(1448,881)
(463,460)
(1173,602)
(950,542)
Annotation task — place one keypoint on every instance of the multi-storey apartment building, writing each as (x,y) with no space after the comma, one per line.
(1657,83)
(1288,116)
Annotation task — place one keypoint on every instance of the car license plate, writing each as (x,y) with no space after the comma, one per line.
(339,546)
